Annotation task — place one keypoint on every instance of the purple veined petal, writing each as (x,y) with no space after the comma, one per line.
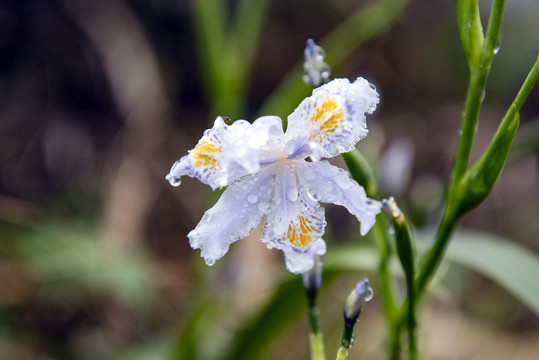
(333,117)
(295,222)
(239,210)
(227,152)
(330,184)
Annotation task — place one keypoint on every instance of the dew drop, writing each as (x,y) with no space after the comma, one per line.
(175,181)
(343,182)
(292,193)
(370,294)
(210,262)
(263,206)
(497,48)
(252,198)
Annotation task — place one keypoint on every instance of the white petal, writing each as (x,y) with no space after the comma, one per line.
(295,218)
(295,223)
(331,184)
(228,152)
(298,261)
(268,137)
(233,217)
(332,120)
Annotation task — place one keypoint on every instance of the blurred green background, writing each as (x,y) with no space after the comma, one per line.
(99,98)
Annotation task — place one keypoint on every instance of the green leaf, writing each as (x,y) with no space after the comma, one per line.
(509,264)
(192,332)
(356,258)
(280,312)
(479,181)
(482,176)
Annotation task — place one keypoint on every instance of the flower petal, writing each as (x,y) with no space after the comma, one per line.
(233,217)
(228,152)
(330,184)
(332,120)
(295,221)
(298,261)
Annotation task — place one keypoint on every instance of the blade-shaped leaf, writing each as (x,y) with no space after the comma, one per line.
(505,262)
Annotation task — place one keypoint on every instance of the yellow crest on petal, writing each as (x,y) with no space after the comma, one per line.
(301,233)
(327,118)
(204,153)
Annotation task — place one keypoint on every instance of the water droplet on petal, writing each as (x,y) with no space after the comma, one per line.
(252,198)
(342,181)
(263,206)
(292,193)
(175,181)
(210,262)
(370,294)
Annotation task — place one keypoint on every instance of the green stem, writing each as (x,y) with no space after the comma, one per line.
(412,321)
(476,88)
(382,243)
(452,211)
(317,347)
(314,319)
(342,354)
(433,257)
(493,31)
(363,174)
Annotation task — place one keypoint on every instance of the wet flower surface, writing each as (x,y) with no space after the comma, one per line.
(267,174)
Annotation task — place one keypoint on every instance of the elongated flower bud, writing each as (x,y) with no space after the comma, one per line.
(312,280)
(316,70)
(352,309)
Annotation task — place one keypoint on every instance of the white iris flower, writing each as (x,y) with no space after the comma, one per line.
(267,175)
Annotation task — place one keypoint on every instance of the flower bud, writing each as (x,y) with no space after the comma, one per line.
(354,303)
(352,309)
(316,71)
(312,279)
